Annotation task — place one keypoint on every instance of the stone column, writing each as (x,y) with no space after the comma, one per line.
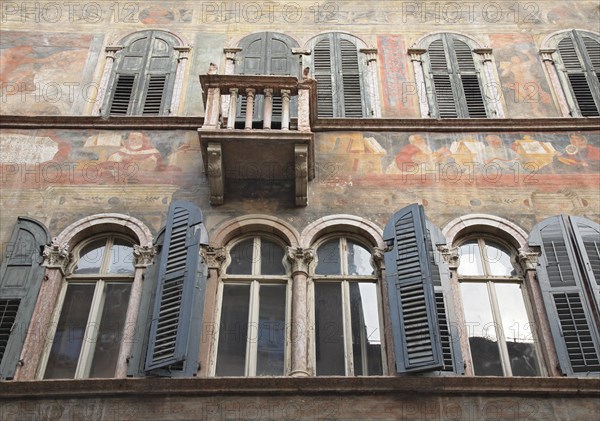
(111,52)
(285,109)
(423,94)
(249,107)
(300,260)
(178,86)
(230,58)
(267,108)
(143,258)
(232,104)
(554,74)
(56,260)
(371,54)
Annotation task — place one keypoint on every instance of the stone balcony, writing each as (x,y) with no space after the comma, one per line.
(257,128)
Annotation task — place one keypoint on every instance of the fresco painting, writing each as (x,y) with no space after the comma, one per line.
(99,157)
(522,79)
(373,154)
(41,74)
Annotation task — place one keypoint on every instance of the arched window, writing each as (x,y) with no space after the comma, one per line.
(498,323)
(254,309)
(456,78)
(347,310)
(577,58)
(341,73)
(93,305)
(266,53)
(143,75)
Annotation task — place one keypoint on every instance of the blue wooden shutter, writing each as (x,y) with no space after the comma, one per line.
(20,278)
(441,76)
(177,300)
(572,324)
(444,301)
(587,243)
(411,294)
(472,102)
(323,72)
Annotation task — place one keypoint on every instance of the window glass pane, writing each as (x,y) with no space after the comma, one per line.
(112,323)
(271,258)
(233,330)
(359,260)
(68,338)
(328,255)
(271,331)
(498,259)
(241,258)
(517,330)
(329,329)
(366,340)
(470,259)
(90,257)
(121,257)
(481,329)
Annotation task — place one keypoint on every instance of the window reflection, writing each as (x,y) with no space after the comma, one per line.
(498,259)
(241,258)
(90,257)
(328,255)
(359,260)
(121,257)
(470,259)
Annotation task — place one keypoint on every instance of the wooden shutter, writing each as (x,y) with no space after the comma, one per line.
(580,56)
(571,321)
(144,75)
(323,72)
(444,302)
(350,75)
(455,78)
(20,278)
(587,243)
(176,301)
(411,296)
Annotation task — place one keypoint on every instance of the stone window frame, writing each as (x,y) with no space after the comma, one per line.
(553,67)
(182,51)
(485,66)
(508,234)
(57,258)
(369,235)
(253,279)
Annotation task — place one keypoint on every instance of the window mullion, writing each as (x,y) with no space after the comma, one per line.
(347,328)
(92,329)
(253,329)
(256,256)
(504,357)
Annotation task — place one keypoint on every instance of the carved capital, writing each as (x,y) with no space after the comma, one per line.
(450,255)
(268,92)
(112,50)
(183,52)
(528,257)
(230,53)
(378,258)
(485,53)
(56,256)
(214,257)
(300,258)
(548,55)
(416,54)
(143,255)
(371,54)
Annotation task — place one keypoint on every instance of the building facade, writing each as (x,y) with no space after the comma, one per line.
(300,210)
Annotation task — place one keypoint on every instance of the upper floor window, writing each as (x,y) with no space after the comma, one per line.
(577,58)
(501,338)
(143,75)
(340,72)
(93,307)
(254,310)
(347,313)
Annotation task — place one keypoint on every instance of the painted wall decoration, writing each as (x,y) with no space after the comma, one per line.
(41,73)
(522,78)
(92,157)
(486,156)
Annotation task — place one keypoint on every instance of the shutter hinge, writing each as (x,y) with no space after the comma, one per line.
(20,363)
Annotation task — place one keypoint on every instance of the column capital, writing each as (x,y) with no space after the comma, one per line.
(548,54)
(300,258)
(416,54)
(183,51)
(214,256)
(56,256)
(528,257)
(230,53)
(144,255)
(450,255)
(111,51)
(371,54)
(485,53)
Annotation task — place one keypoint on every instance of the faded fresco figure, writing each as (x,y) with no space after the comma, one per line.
(417,153)
(138,150)
(579,153)
(533,152)
(496,153)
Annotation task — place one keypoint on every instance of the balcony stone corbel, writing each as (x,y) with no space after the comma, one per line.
(301,158)
(215,173)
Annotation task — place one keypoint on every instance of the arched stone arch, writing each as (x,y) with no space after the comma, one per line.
(488,224)
(224,233)
(342,223)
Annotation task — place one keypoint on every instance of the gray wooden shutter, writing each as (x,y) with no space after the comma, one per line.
(323,72)
(411,296)
(571,321)
(20,278)
(352,100)
(444,301)
(177,301)
(580,57)
(587,244)
(456,83)
(144,75)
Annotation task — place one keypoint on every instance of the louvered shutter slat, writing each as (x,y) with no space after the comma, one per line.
(121,101)
(415,327)
(473,96)
(177,278)
(583,94)
(352,104)
(155,93)
(569,313)
(8,316)
(323,74)
(444,96)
